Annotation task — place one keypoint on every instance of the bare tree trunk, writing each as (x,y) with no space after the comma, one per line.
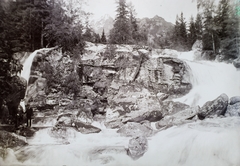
(214,48)
(42,35)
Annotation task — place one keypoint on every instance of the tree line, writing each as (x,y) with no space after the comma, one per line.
(27,25)
(217,26)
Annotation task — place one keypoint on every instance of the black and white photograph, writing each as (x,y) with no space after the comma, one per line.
(119,82)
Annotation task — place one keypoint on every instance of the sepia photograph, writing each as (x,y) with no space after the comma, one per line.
(119,82)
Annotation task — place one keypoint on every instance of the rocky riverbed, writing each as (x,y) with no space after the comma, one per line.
(119,105)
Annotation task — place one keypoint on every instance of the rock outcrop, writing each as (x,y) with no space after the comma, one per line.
(233,108)
(70,120)
(178,118)
(11,140)
(119,82)
(216,107)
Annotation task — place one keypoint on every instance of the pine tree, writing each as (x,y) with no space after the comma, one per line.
(176,33)
(87,36)
(121,33)
(183,29)
(103,38)
(133,24)
(180,33)
(97,38)
(230,41)
(210,37)
(192,35)
(63,27)
(199,27)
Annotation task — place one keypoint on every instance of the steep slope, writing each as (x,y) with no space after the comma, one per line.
(157,28)
(105,22)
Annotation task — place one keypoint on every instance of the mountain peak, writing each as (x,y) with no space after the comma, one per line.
(156,16)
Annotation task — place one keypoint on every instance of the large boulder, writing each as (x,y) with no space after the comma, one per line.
(132,129)
(233,110)
(11,140)
(234,100)
(215,107)
(137,147)
(179,118)
(171,107)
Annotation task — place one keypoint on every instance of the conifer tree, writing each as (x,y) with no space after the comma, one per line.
(63,27)
(230,37)
(121,34)
(199,27)
(97,38)
(183,29)
(180,33)
(133,24)
(103,38)
(176,30)
(210,37)
(192,35)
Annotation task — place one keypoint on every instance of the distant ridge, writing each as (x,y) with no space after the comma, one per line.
(155,27)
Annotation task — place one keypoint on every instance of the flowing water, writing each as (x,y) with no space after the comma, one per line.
(212,142)
(210,80)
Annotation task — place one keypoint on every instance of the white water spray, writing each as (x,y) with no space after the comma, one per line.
(210,80)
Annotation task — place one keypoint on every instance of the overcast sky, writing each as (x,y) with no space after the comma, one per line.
(168,9)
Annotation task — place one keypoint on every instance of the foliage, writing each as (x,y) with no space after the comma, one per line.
(217,27)
(221,27)
(71,84)
(125,29)
(97,38)
(103,37)
(62,27)
(192,35)
(180,34)
(199,27)
(120,34)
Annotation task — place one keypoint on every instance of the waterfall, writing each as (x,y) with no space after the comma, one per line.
(27,67)
(28,63)
(211,79)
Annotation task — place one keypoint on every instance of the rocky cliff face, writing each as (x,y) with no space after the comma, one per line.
(119,83)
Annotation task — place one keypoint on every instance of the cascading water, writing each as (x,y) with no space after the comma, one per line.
(28,63)
(214,142)
(210,80)
(27,67)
